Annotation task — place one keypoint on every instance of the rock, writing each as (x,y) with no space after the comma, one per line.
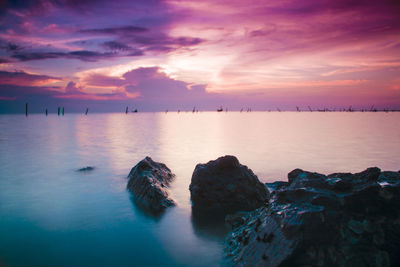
(342,219)
(149,182)
(85,169)
(235,220)
(224,186)
(275,186)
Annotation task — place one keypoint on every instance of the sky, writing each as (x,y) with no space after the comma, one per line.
(156,55)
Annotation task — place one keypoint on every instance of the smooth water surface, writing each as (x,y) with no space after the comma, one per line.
(52,215)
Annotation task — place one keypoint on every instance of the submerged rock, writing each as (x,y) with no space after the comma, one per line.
(342,219)
(85,169)
(149,182)
(225,186)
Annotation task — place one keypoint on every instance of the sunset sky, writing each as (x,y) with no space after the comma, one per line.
(157,55)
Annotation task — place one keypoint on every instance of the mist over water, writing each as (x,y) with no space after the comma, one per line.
(50,214)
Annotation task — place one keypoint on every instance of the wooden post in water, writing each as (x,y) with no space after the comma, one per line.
(58,112)
(46,112)
(63,111)
(126,110)
(26,109)
(87,110)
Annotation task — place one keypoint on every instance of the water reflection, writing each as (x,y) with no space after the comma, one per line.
(209,226)
(144,211)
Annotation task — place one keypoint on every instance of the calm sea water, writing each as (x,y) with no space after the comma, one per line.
(51,215)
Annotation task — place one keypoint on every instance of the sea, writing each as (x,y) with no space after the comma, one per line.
(53,215)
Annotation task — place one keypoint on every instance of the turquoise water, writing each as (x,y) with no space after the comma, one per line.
(51,215)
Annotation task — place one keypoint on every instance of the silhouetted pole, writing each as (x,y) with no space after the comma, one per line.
(87,110)
(58,112)
(26,109)
(63,111)
(46,112)
(126,110)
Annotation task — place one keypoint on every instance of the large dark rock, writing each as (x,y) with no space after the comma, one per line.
(149,182)
(342,219)
(225,186)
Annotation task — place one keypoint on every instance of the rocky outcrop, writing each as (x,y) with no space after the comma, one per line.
(149,182)
(225,186)
(342,219)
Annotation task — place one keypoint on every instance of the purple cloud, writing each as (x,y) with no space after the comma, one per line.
(4,60)
(155,89)
(8,46)
(18,92)
(23,78)
(122,30)
(73,88)
(113,45)
(81,55)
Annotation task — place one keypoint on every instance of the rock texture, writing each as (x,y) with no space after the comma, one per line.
(342,219)
(225,186)
(149,182)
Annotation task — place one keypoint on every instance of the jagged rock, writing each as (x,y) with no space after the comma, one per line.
(342,219)
(225,186)
(149,182)
(276,186)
